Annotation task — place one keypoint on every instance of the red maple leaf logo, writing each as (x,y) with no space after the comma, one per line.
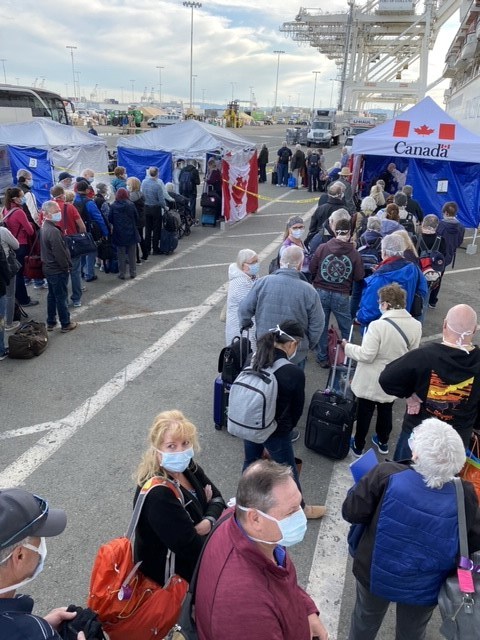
(424,130)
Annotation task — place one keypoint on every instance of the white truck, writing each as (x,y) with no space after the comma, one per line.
(325,130)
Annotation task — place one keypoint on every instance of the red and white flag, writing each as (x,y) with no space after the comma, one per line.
(240,185)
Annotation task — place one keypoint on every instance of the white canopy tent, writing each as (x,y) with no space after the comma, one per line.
(46,148)
(188,139)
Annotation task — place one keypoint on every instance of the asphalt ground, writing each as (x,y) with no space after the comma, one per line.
(75,420)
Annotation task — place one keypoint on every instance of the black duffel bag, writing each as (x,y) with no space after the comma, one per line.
(80,244)
(28,341)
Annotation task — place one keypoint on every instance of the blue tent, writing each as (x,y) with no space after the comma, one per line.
(435,154)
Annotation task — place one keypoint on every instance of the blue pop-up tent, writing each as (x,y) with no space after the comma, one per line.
(438,157)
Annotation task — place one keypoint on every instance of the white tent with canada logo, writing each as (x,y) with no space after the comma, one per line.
(431,152)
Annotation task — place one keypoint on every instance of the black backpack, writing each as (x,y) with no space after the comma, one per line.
(232,358)
(314,160)
(408,223)
(371,258)
(186,184)
(91,225)
(285,157)
(432,261)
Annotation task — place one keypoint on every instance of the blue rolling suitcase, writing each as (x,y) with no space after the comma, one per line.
(209,217)
(168,241)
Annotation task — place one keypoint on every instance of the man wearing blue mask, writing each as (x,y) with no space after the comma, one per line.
(247,584)
(57,265)
(25,522)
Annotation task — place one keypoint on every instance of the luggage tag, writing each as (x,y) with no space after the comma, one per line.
(465,581)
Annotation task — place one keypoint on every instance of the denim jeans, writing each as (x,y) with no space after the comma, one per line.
(402,450)
(282,174)
(369,611)
(76,278)
(3,304)
(280,449)
(10,302)
(57,299)
(88,265)
(339,305)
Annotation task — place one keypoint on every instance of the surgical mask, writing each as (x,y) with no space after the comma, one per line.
(292,528)
(42,552)
(176,461)
(292,356)
(381,309)
(21,200)
(56,217)
(298,233)
(29,183)
(254,268)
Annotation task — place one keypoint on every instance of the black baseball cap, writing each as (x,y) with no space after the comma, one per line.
(24,514)
(64,175)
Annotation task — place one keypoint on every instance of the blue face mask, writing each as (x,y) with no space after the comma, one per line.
(292,528)
(176,461)
(56,217)
(254,268)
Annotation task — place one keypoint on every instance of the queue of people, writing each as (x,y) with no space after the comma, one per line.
(246,580)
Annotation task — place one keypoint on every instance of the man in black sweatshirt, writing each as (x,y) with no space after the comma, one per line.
(440,380)
(56,267)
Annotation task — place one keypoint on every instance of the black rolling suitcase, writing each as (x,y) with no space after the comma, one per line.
(331,415)
(168,241)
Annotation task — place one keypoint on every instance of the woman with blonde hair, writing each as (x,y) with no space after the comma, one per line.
(376,192)
(167,525)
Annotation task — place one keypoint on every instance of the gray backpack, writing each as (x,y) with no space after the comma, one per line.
(252,403)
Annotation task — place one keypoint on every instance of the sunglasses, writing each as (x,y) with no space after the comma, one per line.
(43,504)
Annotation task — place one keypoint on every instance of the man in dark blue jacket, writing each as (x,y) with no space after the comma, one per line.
(95,224)
(410,542)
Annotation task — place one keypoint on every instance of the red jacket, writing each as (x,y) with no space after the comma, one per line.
(17,223)
(242,594)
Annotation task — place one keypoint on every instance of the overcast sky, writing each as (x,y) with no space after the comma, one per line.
(123,40)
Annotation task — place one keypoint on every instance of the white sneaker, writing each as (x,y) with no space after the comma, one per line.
(13,326)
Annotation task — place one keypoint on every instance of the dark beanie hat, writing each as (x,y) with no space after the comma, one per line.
(122,194)
(82,186)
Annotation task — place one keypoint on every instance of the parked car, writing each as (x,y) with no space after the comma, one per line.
(280,120)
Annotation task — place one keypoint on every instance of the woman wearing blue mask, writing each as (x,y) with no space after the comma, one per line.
(241,276)
(295,235)
(167,526)
(280,343)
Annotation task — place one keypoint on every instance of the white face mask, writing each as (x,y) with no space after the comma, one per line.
(29,183)
(42,552)
(298,233)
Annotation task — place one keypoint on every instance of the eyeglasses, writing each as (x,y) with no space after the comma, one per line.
(43,504)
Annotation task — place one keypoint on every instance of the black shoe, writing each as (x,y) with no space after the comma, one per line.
(294,435)
(139,262)
(91,279)
(157,253)
(32,303)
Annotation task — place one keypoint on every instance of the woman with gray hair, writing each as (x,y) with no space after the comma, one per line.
(393,268)
(241,276)
(410,542)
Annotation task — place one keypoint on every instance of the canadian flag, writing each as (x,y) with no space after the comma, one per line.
(240,186)
(401,129)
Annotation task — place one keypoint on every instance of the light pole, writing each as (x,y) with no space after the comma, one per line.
(133,90)
(203,99)
(72,49)
(233,89)
(77,73)
(4,73)
(332,80)
(317,73)
(279,53)
(121,91)
(251,98)
(192,6)
(193,89)
(160,82)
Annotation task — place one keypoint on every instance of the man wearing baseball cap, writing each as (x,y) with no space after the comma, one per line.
(65,179)
(25,522)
